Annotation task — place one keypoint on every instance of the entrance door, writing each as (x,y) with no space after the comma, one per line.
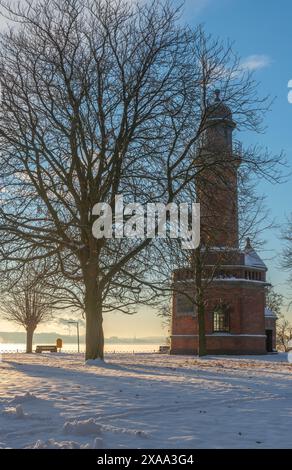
(269,340)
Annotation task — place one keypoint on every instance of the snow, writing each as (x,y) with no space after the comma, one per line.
(82,428)
(23,398)
(95,362)
(251,258)
(55,401)
(19,412)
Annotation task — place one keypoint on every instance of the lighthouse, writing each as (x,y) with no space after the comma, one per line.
(236,318)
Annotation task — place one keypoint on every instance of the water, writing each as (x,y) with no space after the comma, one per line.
(72,347)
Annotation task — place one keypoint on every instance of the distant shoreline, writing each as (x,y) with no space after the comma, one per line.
(19,338)
(72,347)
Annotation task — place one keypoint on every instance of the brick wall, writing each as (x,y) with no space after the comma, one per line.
(220,345)
(246,302)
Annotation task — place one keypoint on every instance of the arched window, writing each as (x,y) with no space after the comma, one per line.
(221,323)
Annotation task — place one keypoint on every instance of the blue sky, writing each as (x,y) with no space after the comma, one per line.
(262,35)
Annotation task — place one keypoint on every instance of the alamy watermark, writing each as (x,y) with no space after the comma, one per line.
(152,220)
(290,92)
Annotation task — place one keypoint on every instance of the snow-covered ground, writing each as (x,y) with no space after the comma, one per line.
(145,401)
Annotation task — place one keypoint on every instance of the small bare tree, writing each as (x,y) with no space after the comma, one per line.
(286,262)
(28,303)
(284,333)
(274,301)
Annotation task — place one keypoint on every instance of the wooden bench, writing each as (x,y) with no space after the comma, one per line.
(40,349)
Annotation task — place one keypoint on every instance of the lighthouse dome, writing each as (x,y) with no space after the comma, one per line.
(218,110)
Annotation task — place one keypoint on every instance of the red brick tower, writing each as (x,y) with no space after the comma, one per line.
(217,178)
(236,319)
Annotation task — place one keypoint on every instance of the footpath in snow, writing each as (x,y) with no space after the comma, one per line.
(145,401)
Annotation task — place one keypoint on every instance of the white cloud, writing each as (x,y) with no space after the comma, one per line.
(256,62)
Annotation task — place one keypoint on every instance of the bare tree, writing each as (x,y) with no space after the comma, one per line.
(274,300)
(284,333)
(101,98)
(28,303)
(286,261)
(216,176)
(192,272)
(93,94)
(284,326)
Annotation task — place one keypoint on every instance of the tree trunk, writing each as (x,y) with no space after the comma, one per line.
(29,338)
(202,349)
(202,336)
(94,329)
